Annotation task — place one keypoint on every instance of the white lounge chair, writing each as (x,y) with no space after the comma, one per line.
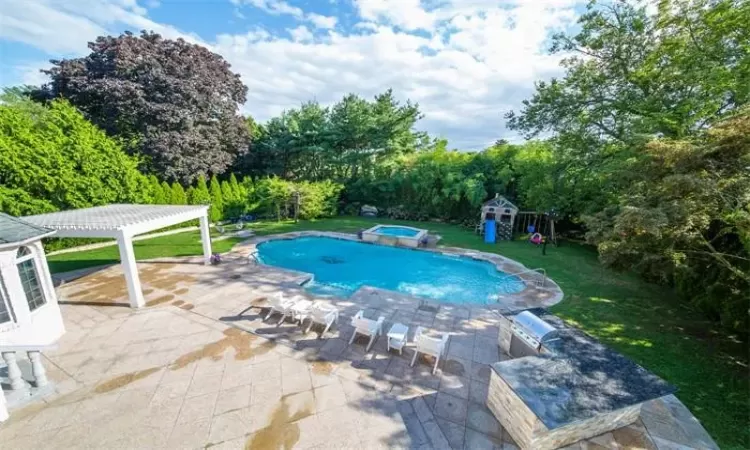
(429,346)
(301,308)
(280,304)
(322,314)
(367,327)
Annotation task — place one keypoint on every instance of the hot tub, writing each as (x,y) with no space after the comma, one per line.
(394,235)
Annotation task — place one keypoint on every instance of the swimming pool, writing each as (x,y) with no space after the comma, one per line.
(340,267)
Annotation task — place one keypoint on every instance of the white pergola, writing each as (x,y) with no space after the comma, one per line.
(123,222)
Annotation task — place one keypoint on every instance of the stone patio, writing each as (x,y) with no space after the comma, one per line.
(198,367)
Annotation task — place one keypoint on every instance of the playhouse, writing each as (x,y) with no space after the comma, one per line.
(503,212)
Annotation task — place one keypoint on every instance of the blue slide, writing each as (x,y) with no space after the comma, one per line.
(490,231)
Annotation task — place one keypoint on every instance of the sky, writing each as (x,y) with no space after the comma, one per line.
(465,62)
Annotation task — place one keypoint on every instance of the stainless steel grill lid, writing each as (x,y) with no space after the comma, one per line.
(533,325)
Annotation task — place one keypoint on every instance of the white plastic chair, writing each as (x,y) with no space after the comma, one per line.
(322,314)
(367,327)
(280,304)
(429,346)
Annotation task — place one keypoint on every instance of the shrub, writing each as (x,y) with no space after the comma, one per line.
(52,158)
(317,199)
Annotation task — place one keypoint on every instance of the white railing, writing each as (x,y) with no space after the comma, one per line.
(540,271)
(253,258)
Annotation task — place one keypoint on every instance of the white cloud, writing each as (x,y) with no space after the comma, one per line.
(301,34)
(320,21)
(480,65)
(24,72)
(64,28)
(280,7)
(39,25)
(407,14)
(275,7)
(470,62)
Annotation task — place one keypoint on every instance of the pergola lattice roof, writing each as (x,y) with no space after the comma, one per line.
(111,217)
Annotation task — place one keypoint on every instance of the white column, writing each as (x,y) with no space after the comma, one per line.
(3,409)
(205,238)
(37,369)
(14,372)
(127,257)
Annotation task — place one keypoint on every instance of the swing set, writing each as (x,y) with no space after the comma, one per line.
(538,225)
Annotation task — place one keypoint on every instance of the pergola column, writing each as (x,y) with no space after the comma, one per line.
(130,269)
(205,238)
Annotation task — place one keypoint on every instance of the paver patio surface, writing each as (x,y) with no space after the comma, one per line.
(199,367)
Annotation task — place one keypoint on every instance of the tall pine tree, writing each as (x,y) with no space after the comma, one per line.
(201,196)
(177,196)
(235,186)
(166,193)
(189,195)
(217,203)
(157,194)
(227,196)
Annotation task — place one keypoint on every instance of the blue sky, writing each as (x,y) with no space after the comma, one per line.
(466,62)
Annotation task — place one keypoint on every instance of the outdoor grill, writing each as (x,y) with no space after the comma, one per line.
(529,332)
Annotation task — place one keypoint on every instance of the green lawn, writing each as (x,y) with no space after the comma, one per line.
(644,321)
(181,244)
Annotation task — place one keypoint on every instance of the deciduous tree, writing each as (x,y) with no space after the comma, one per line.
(173,102)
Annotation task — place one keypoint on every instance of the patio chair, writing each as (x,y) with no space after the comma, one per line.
(301,308)
(367,327)
(280,304)
(429,346)
(322,314)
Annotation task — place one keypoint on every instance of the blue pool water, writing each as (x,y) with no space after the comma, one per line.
(340,267)
(395,231)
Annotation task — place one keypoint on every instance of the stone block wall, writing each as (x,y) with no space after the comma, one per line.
(530,433)
(511,411)
(505,335)
(574,432)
